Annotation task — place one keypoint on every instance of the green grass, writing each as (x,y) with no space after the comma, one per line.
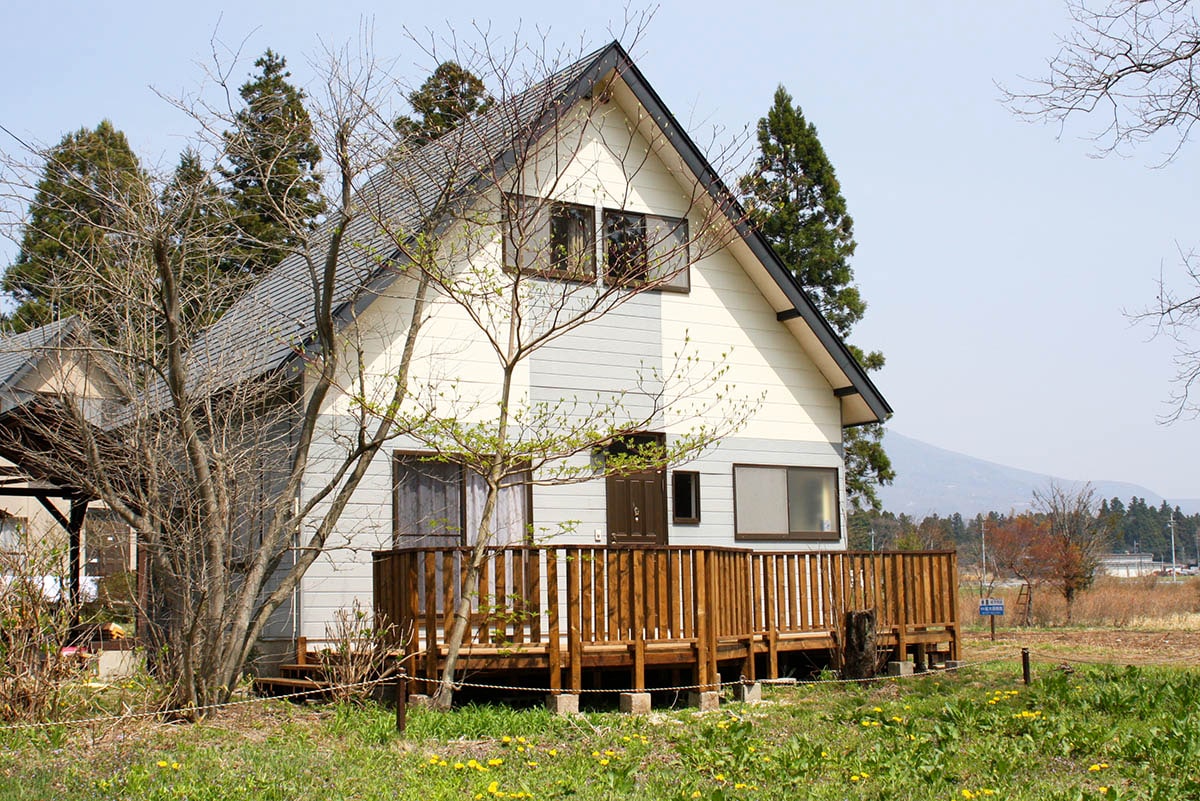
(1098,733)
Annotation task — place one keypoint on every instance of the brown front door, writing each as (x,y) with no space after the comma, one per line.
(637,509)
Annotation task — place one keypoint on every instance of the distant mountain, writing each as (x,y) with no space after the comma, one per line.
(931,479)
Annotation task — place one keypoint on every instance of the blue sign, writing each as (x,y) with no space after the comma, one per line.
(991,606)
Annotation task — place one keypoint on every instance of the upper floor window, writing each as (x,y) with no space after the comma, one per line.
(646,247)
(551,238)
(557,239)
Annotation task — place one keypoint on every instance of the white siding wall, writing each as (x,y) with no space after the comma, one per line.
(725,319)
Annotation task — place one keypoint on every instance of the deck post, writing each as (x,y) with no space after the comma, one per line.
(638,599)
(952,580)
(902,608)
(553,636)
(574,645)
(700,576)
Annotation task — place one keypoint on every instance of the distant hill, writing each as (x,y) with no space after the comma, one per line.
(931,479)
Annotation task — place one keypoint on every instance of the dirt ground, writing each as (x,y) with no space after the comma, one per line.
(1122,646)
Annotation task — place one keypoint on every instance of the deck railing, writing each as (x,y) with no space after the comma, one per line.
(567,607)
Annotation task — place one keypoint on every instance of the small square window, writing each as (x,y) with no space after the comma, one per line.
(685,496)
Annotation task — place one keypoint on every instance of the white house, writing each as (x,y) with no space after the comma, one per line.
(619,160)
(583,200)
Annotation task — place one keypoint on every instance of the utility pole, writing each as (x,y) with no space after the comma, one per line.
(1174,565)
(983,558)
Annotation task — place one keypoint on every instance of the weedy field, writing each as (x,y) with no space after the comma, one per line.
(1079,731)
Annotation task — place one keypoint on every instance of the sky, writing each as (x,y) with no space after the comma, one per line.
(1000,259)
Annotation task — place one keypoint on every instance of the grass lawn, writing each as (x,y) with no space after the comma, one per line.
(1095,733)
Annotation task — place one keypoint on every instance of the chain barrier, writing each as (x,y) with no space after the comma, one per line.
(47,724)
(1084,660)
(328,689)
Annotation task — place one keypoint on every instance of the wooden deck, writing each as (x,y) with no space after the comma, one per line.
(556,612)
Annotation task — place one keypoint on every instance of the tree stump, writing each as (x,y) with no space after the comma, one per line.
(858,649)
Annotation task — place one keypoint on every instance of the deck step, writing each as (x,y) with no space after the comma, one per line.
(285,685)
(307,670)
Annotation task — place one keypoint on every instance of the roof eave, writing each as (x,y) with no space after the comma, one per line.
(858,382)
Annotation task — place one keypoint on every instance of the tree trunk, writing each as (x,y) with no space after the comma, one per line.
(858,649)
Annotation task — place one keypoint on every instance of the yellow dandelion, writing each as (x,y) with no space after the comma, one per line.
(531,764)
(967,793)
(459,766)
(521,740)
(506,739)
(695,793)
(494,761)
(877,709)
(162,763)
(174,766)
(604,761)
(854,778)
(609,752)
(719,777)
(493,788)
(553,752)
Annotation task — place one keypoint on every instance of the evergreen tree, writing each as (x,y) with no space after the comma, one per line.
(448,96)
(90,179)
(274,186)
(794,198)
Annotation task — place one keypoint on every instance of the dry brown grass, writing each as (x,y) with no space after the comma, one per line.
(1149,602)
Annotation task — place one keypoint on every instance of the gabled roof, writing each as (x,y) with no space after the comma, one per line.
(20,355)
(274,322)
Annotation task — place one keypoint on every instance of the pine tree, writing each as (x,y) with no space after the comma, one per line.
(796,201)
(90,179)
(448,96)
(274,186)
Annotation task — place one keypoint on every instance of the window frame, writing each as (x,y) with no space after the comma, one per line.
(694,476)
(834,534)
(553,270)
(462,472)
(643,274)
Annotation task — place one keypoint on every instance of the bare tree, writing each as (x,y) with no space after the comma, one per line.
(1077,536)
(1134,65)
(205,437)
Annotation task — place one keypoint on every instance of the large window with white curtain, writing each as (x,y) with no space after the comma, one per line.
(440,504)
